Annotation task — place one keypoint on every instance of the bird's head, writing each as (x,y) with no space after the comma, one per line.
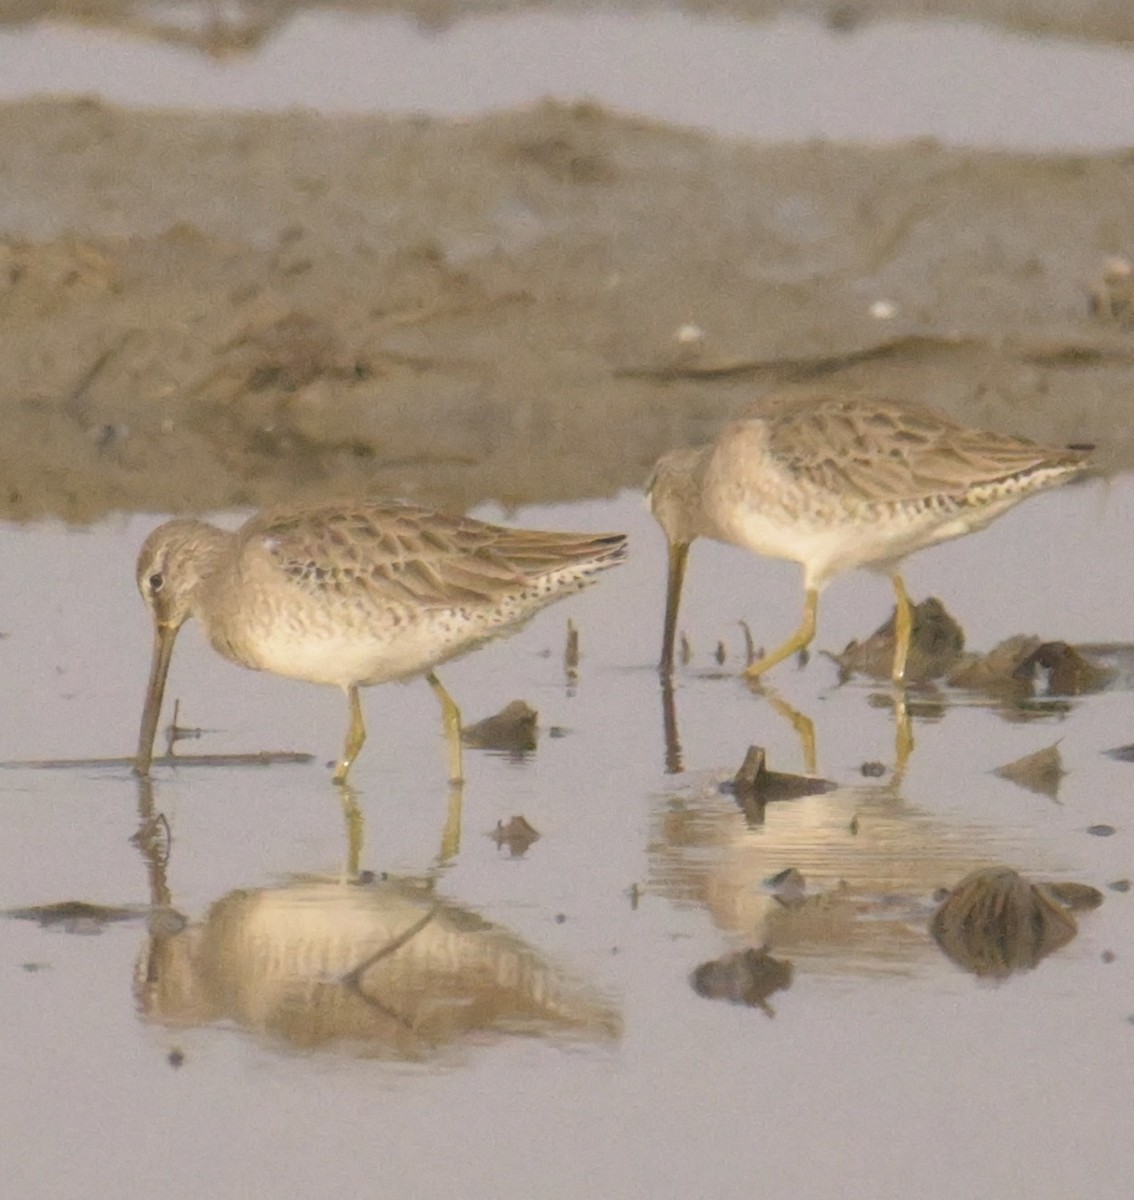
(674,494)
(171,565)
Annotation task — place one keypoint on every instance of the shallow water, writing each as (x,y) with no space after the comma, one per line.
(784,80)
(546,1040)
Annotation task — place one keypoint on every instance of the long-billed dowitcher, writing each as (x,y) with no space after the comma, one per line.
(835,481)
(352,594)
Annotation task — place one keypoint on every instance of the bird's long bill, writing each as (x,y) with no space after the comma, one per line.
(164,637)
(678,555)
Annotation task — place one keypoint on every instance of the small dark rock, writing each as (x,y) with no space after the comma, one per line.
(995,672)
(873,770)
(937,642)
(995,922)
(1069,673)
(1014,667)
(512,730)
(1120,885)
(754,786)
(1101,830)
(1078,897)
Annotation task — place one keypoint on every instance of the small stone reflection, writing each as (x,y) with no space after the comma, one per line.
(518,834)
(848,879)
(747,977)
(571,653)
(176,732)
(1041,772)
(383,969)
(995,922)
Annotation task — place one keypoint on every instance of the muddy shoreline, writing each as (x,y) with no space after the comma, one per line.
(211,311)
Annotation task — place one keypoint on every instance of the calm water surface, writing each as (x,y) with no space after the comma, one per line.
(789,79)
(539,1034)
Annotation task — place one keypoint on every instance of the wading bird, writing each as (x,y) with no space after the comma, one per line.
(835,481)
(353,594)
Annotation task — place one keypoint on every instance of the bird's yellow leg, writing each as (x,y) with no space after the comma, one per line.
(804,728)
(355,825)
(903,634)
(798,640)
(452,719)
(903,735)
(451,834)
(903,629)
(356,735)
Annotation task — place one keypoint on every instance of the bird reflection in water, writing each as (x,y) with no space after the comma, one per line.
(861,866)
(804,726)
(381,967)
(671,733)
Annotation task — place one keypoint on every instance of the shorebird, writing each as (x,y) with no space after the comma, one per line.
(354,593)
(835,481)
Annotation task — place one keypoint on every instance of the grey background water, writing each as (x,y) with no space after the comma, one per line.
(788,79)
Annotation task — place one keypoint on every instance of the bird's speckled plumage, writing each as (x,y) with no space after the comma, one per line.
(356,593)
(836,481)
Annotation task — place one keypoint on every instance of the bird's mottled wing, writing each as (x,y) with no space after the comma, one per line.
(873,450)
(390,552)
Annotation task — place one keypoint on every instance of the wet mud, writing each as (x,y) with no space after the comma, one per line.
(206,312)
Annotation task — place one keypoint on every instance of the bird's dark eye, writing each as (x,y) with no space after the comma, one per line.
(156,582)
